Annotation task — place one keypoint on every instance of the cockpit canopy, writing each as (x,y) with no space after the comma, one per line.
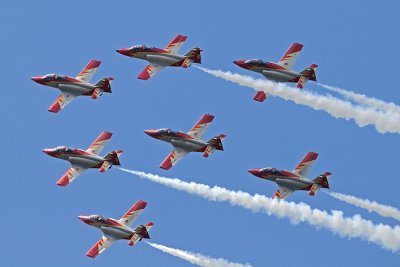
(270,171)
(64,149)
(140,48)
(256,62)
(53,77)
(166,131)
(97,218)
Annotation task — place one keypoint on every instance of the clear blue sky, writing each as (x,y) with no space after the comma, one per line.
(355,45)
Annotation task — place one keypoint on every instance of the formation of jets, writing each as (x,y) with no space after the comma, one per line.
(183,143)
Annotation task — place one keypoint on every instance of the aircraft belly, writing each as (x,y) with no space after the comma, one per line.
(84,162)
(118,233)
(164,60)
(190,145)
(278,76)
(293,184)
(76,88)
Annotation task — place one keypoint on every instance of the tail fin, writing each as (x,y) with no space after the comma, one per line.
(214,143)
(320,182)
(193,56)
(103,85)
(111,158)
(142,231)
(307,74)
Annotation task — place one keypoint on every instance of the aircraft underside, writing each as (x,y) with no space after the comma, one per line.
(279,76)
(117,233)
(294,184)
(85,161)
(190,145)
(164,60)
(76,89)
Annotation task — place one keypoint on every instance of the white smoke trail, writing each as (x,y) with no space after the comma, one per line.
(196,258)
(363,99)
(383,122)
(351,227)
(371,206)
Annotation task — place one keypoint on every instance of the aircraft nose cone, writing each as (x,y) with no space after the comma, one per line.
(150,132)
(122,51)
(254,172)
(238,62)
(36,79)
(47,151)
(84,219)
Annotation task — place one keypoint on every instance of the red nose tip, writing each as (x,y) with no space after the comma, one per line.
(150,132)
(123,51)
(254,171)
(240,63)
(47,151)
(84,219)
(37,79)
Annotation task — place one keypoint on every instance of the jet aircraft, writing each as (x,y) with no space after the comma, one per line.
(281,71)
(72,87)
(114,230)
(184,143)
(159,58)
(290,181)
(81,159)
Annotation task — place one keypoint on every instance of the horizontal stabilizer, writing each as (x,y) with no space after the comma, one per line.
(209,150)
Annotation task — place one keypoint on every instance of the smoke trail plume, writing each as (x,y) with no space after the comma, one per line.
(196,258)
(371,206)
(351,227)
(363,99)
(383,122)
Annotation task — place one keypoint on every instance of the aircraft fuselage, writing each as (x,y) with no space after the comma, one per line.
(179,139)
(76,156)
(65,83)
(110,227)
(270,70)
(283,178)
(153,55)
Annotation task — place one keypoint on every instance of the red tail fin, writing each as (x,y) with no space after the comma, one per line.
(309,73)
(194,55)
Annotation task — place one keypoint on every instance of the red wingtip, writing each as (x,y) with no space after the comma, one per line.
(149,224)
(63,181)
(55,107)
(144,75)
(260,96)
(165,165)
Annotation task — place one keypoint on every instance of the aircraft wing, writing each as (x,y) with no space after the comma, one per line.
(282,192)
(98,145)
(87,73)
(303,168)
(176,155)
(62,101)
(133,213)
(100,246)
(289,58)
(70,175)
(150,70)
(175,45)
(201,126)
